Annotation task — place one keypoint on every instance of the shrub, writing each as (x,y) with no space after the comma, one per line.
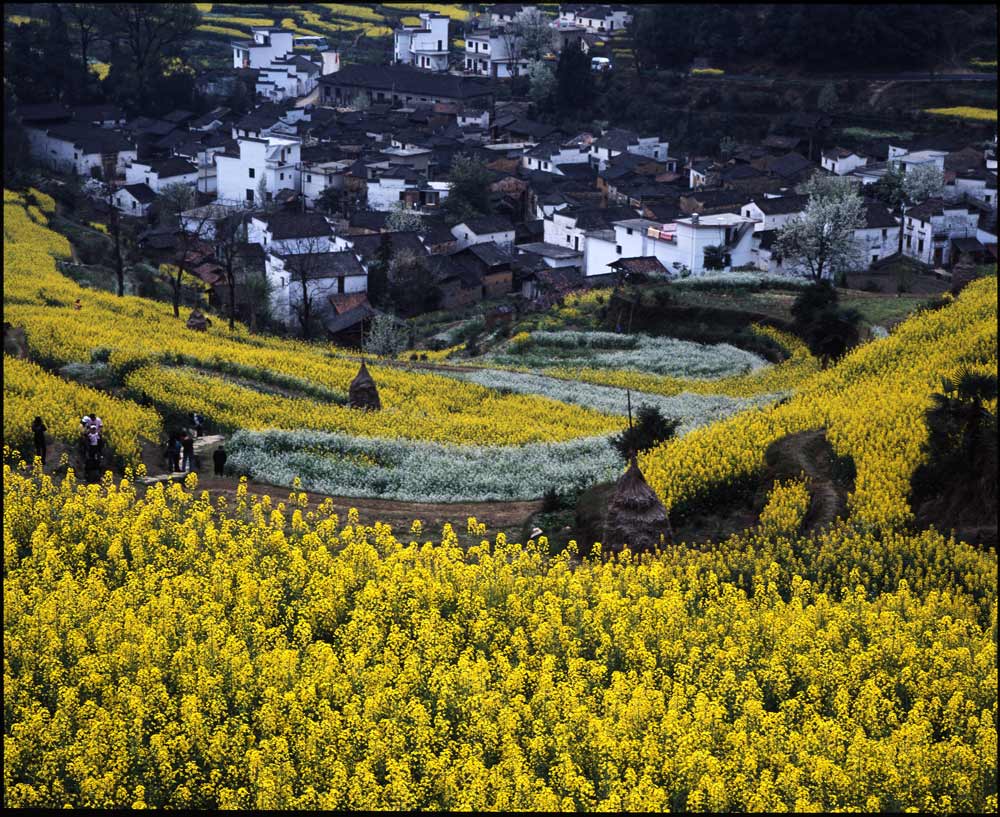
(651,429)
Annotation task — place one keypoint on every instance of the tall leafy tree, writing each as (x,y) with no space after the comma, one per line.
(469,196)
(145,35)
(574,80)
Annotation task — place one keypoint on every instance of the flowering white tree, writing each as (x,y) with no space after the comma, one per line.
(401,220)
(923,182)
(821,241)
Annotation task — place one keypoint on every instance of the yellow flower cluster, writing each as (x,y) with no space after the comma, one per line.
(786,508)
(43,200)
(289,24)
(787,375)
(871,404)
(246,22)
(966,112)
(29,390)
(144,338)
(101,228)
(707,72)
(430,354)
(166,651)
(353,10)
(411,408)
(452,10)
(222,30)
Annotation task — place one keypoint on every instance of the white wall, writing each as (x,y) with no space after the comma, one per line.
(466,238)
(286,295)
(767,222)
(562,230)
(872,243)
(845,165)
(598,253)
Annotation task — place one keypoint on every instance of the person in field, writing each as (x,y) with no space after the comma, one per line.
(219,458)
(38,429)
(187,449)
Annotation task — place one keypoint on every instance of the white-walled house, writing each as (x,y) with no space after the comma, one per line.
(158,173)
(617,141)
(980,185)
(547,156)
(402,186)
(841,161)
(266,45)
(774,212)
(904,160)
(134,199)
(929,228)
(511,12)
(292,233)
(287,78)
(681,244)
(423,46)
(275,159)
(325,274)
(318,176)
(488,54)
(480,230)
(596,19)
(879,238)
(81,149)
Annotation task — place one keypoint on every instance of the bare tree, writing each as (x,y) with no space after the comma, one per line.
(230,249)
(302,267)
(115,228)
(175,199)
(86,17)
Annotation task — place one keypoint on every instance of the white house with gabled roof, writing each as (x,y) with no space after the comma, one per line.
(423,46)
(266,45)
(275,159)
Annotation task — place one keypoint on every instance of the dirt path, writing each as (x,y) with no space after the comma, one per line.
(809,453)
(497,516)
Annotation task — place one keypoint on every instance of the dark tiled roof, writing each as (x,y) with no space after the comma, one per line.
(489,224)
(216,114)
(839,153)
(178,116)
(645,264)
(530,128)
(323,265)
(97,113)
(168,168)
(791,164)
(933,207)
(717,198)
(352,317)
(877,216)
(490,254)
(367,246)
(403,80)
(781,205)
(43,112)
(142,193)
(617,139)
(296,225)
(91,139)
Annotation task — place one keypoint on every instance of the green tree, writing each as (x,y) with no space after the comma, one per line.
(144,35)
(827,99)
(378,272)
(650,429)
(574,81)
(469,195)
(411,284)
(541,84)
(715,257)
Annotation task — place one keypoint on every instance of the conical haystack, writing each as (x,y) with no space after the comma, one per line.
(636,517)
(198,321)
(363,393)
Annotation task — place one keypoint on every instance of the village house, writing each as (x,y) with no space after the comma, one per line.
(134,199)
(403,187)
(495,52)
(511,13)
(550,155)
(160,173)
(288,77)
(423,46)
(774,213)
(980,185)
(497,229)
(273,161)
(841,161)
(325,274)
(292,233)
(929,229)
(265,46)
(617,141)
(904,160)
(86,150)
(401,85)
(595,19)
(681,245)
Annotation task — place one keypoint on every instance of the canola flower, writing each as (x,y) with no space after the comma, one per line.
(871,404)
(786,508)
(28,390)
(168,651)
(967,112)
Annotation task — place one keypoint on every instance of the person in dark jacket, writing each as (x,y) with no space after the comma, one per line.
(173,454)
(219,458)
(38,429)
(187,448)
(198,422)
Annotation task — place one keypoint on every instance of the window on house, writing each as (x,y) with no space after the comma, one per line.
(252,172)
(920,245)
(249,194)
(618,249)
(874,257)
(309,177)
(567,239)
(282,176)
(885,234)
(439,46)
(268,196)
(628,230)
(74,155)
